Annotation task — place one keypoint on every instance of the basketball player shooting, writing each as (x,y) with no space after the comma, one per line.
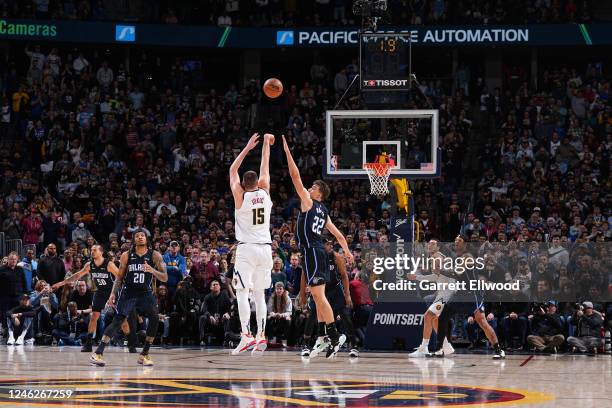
(313,217)
(253,266)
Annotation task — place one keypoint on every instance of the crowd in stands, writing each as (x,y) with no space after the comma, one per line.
(92,151)
(292,12)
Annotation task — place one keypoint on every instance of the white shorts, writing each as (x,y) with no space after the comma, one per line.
(253,267)
(442,298)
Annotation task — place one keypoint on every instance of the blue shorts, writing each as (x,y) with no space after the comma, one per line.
(315,266)
(100,298)
(144,303)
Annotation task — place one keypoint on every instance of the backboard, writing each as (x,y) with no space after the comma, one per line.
(406,139)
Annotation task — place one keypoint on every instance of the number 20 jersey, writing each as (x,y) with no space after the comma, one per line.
(253,218)
(310,226)
(136,279)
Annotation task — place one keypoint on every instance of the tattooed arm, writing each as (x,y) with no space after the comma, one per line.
(119,276)
(159,271)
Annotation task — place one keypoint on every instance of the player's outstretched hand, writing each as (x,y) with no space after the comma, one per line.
(269,138)
(253,141)
(148,267)
(56,286)
(285,145)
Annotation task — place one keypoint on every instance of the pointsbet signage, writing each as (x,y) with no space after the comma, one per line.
(8,28)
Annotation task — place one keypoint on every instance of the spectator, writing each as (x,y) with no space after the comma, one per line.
(70,327)
(81,234)
(47,305)
(51,268)
(184,318)
(165,307)
(32,227)
(83,299)
(280,309)
(294,275)
(20,323)
(105,76)
(588,329)
(215,318)
(277,273)
(546,328)
(30,266)
(176,267)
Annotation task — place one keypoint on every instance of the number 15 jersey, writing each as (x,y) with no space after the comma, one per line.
(253,218)
(310,226)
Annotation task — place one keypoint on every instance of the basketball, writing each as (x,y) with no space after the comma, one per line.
(273,88)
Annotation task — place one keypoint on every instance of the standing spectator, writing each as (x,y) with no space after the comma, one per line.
(280,308)
(294,275)
(515,320)
(215,316)
(81,234)
(184,319)
(105,76)
(362,302)
(29,265)
(588,329)
(32,228)
(20,323)
(37,63)
(80,64)
(277,273)
(164,305)
(176,267)
(51,268)
(546,328)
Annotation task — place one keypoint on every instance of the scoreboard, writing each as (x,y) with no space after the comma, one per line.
(384,61)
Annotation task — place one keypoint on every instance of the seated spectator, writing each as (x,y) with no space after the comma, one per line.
(70,327)
(279,314)
(19,323)
(278,275)
(588,329)
(215,317)
(83,299)
(184,318)
(515,325)
(294,274)
(546,328)
(45,302)
(164,305)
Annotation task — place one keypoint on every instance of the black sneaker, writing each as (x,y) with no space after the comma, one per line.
(499,354)
(354,353)
(132,350)
(86,347)
(335,345)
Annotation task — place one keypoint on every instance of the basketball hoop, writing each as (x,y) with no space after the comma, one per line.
(379,177)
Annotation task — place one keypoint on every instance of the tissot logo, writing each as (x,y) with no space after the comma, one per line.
(385,82)
(284,38)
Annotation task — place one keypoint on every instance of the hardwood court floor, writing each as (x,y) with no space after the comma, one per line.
(45,376)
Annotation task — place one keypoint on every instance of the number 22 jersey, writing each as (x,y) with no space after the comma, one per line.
(310,226)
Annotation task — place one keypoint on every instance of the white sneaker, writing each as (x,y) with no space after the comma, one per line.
(421,351)
(261,344)
(10,340)
(29,342)
(247,341)
(305,352)
(447,347)
(499,355)
(321,345)
(20,340)
(354,353)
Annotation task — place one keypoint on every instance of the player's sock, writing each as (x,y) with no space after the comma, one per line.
(332,332)
(244,310)
(321,330)
(145,348)
(425,343)
(101,346)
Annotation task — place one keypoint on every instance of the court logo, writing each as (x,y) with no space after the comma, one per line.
(125,33)
(284,38)
(206,392)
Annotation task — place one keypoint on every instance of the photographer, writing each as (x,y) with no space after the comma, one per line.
(515,321)
(546,327)
(70,327)
(44,297)
(588,328)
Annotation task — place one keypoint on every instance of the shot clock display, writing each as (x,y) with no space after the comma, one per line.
(384,61)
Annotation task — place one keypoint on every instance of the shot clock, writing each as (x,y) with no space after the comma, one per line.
(384,61)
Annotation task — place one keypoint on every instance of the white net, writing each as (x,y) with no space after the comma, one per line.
(379,177)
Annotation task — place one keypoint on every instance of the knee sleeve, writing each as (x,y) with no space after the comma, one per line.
(152,326)
(261,309)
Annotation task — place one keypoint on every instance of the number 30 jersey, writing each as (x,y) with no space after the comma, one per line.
(253,218)
(136,279)
(310,226)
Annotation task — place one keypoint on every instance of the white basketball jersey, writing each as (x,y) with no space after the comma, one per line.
(253,218)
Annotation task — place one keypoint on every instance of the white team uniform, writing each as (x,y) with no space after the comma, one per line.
(442,297)
(253,266)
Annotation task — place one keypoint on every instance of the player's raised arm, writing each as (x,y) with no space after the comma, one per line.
(74,277)
(264,168)
(339,237)
(237,189)
(294,172)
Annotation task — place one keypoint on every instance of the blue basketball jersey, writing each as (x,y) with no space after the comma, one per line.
(310,226)
(136,279)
